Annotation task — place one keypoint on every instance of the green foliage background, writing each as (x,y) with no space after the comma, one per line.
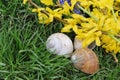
(23,55)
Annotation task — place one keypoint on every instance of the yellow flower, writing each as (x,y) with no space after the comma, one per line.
(25,1)
(91,31)
(37,10)
(86,3)
(55,12)
(87,41)
(47,2)
(73,2)
(42,17)
(99,13)
(118,0)
(66,9)
(104,3)
(89,37)
(111,25)
(79,18)
(70,26)
(110,45)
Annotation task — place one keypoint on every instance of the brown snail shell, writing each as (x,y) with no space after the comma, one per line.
(85,60)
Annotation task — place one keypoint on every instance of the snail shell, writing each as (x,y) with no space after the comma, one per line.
(85,60)
(60,44)
(78,44)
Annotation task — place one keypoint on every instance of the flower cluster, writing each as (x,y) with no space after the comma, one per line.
(92,20)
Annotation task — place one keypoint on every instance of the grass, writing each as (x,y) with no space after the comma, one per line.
(23,55)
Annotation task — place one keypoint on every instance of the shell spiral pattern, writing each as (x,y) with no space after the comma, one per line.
(60,44)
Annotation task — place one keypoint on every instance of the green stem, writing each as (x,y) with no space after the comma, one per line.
(32,3)
(85,11)
(113,37)
(114,55)
(114,15)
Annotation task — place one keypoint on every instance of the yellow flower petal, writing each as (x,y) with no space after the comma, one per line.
(66,9)
(73,4)
(79,17)
(25,1)
(55,12)
(75,29)
(44,18)
(104,3)
(97,41)
(66,28)
(47,2)
(88,41)
(118,0)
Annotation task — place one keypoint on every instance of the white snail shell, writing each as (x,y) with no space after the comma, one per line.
(78,44)
(85,60)
(60,44)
